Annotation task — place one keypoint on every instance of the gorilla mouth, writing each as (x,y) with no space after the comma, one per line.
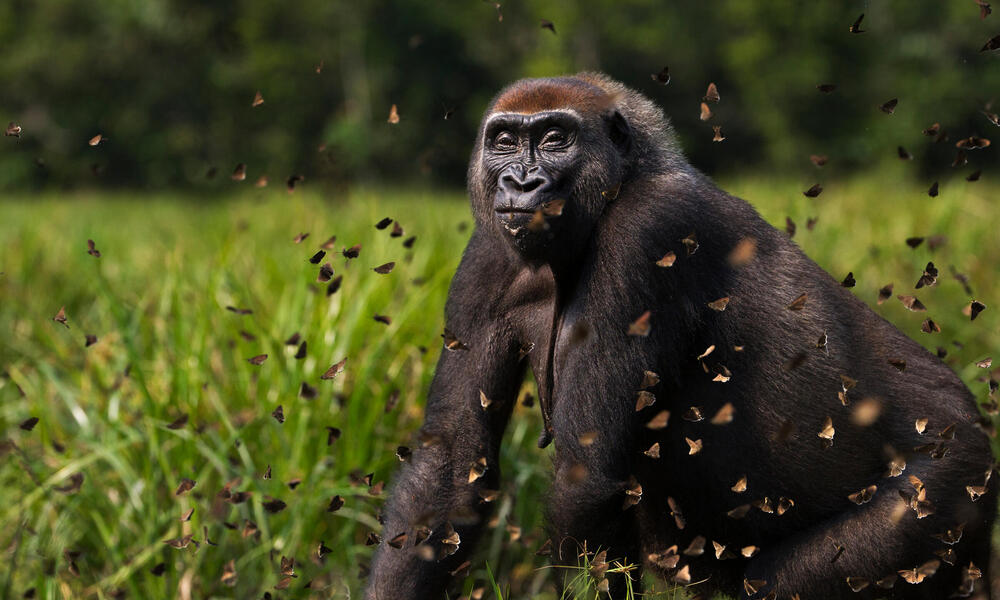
(513,211)
(550,208)
(527,220)
(516,220)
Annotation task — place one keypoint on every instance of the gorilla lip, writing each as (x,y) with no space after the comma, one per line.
(515,220)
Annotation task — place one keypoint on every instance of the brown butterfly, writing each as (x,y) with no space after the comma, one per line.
(667,261)
(393,115)
(856,26)
(827,432)
(929,276)
(691,243)
(452,343)
(912,303)
(863,496)
(975,308)
(889,106)
(185,485)
(644,399)
(973,143)
(711,94)
(292,181)
(984,9)
(662,77)
(799,303)
(641,326)
(239,173)
(335,370)
(179,422)
(325,272)
(720,304)
(706,113)
(898,363)
(929,326)
(918,574)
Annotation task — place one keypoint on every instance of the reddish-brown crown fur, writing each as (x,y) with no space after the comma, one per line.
(536,95)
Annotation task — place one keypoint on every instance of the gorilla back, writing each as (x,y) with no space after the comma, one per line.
(723,410)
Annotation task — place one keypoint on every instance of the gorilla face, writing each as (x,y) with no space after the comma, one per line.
(532,161)
(544,173)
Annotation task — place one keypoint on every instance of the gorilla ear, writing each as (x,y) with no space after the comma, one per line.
(619,131)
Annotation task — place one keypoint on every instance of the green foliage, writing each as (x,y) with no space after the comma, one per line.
(170,83)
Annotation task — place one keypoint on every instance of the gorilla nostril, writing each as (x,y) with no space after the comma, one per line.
(532,184)
(508,181)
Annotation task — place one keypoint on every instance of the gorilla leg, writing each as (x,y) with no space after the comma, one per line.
(881,539)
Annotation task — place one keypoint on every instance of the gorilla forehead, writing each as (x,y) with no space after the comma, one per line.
(537,95)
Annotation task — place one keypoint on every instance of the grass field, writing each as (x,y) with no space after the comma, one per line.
(167,347)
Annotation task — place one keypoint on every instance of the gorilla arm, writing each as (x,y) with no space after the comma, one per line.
(457,457)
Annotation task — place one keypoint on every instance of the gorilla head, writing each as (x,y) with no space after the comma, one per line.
(549,156)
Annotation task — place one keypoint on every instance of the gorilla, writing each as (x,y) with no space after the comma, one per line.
(723,411)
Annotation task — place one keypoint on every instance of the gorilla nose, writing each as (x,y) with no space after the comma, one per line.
(522,190)
(523,185)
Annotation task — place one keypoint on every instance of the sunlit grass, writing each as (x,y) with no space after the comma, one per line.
(167,346)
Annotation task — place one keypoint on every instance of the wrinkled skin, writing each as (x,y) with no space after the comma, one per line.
(557,290)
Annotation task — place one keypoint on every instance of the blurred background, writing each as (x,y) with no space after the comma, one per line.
(128,118)
(169,83)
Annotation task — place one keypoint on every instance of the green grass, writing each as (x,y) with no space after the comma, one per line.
(156,300)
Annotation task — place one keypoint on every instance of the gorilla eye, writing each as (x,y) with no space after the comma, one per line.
(554,138)
(505,141)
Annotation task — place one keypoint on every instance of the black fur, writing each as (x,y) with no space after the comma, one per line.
(570,293)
